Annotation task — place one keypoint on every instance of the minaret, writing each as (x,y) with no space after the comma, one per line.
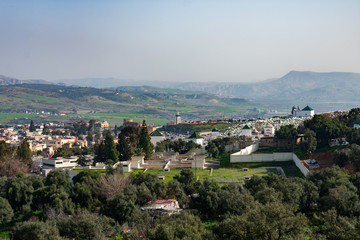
(177,118)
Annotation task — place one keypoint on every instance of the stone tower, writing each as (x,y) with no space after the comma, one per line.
(177,118)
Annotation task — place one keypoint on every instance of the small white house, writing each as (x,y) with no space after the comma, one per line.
(246,131)
(162,207)
(126,167)
(269,130)
(305,112)
(196,138)
(60,162)
(136,162)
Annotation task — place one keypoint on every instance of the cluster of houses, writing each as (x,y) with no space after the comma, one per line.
(40,142)
(258,128)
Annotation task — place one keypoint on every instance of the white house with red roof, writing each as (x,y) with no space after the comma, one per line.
(162,207)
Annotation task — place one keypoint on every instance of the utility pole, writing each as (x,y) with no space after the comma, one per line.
(195,168)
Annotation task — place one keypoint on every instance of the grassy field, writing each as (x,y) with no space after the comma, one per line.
(220,175)
(112,118)
(101,171)
(158,106)
(289,167)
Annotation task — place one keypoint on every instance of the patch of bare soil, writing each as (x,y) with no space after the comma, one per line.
(326,159)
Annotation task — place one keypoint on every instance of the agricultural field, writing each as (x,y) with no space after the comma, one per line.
(112,118)
(155,104)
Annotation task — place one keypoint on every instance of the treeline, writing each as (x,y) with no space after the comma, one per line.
(320,130)
(325,205)
(131,140)
(190,128)
(179,146)
(217,146)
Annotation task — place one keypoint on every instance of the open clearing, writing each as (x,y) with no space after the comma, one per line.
(221,175)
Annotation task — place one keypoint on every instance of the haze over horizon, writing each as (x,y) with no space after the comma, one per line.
(232,41)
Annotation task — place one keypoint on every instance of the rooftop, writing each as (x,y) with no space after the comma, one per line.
(156,133)
(307,108)
(195,135)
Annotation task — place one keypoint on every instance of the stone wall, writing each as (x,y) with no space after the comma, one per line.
(247,155)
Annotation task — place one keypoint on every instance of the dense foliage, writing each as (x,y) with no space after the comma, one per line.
(325,205)
(179,146)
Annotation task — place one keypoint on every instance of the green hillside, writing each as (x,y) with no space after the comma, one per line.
(113,105)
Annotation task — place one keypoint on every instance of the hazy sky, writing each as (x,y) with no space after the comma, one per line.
(192,40)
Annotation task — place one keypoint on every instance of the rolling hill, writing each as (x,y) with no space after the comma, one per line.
(324,91)
(294,85)
(126,101)
(5,80)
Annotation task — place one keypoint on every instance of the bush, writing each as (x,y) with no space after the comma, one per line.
(86,226)
(35,230)
(6,211)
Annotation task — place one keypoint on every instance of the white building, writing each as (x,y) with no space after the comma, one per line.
(246,131)
(136,162)
(196,138)
(162,207)
(126,166)
(156,136)
(269,130)
(305,112)
(60,162)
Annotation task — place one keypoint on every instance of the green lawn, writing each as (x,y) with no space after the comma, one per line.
(101,171)
(218,175)
(41,98)
(289,167)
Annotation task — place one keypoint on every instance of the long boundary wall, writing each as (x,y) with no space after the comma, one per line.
(245,155)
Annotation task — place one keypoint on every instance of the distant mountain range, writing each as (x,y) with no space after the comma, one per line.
(5,80)
(323,91)
(312,86)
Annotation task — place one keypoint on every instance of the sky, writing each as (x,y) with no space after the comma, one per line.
(171,40)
